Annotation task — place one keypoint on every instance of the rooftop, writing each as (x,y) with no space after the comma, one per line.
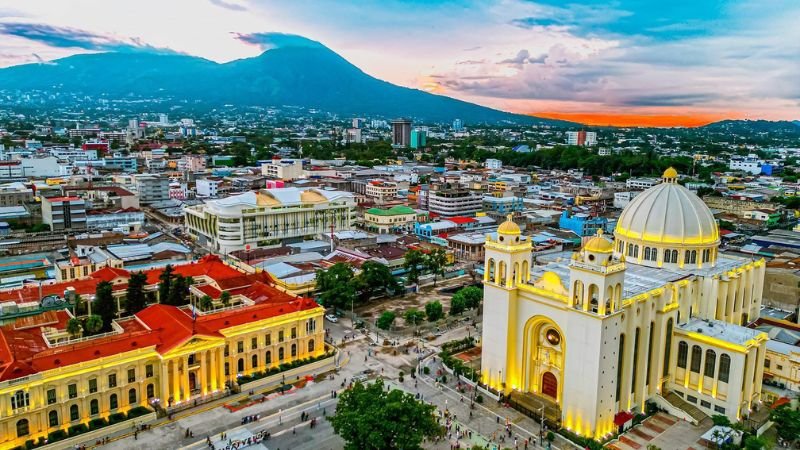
(720,330)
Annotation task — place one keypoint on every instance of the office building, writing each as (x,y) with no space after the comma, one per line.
(582,138)
(64,213)
(493,164)
(454,202)
(418,138)
(152,188)
(401,132)
(458,125)
(268,217)
(283,169)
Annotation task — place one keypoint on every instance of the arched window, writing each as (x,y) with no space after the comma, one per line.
(112,401)
(74,414)
(53,418)
(254,361)
(667,346)
(268,357)
(683,353)
(650,351)
(311,346)
(240,365)
(150,391)
(686,257)
(675,256)
(667,256)
(635,251)
(294,350)
(697,355)
(94,407)
(280,354)
(711,361)
(23,428)
(132,396)
(630,249)
(620,363)
(20,399)
(724,368)
(635,375)
(647,253)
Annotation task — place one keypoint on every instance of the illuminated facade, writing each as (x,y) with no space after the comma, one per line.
(168,355)
(654,315)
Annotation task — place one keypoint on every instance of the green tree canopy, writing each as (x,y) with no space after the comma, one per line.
(135,299)
(369,418)
(165,282)
(413,316)
(787,421)
(457,305)
(472,296)
(376,278)
(336,286)
(386,320)
(434,311)
(94,324)
(413,262)
(225,298)
(206,302)
(435,262)
(74,327)
(104,304)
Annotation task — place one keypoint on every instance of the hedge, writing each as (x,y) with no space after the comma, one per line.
(138,411)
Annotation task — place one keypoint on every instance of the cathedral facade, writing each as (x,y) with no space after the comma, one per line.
(654,314)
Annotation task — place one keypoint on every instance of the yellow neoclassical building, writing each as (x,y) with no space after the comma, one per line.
(163,355)
(655,314)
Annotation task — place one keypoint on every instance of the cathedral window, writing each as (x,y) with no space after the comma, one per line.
(667,346)
(697,355)
(711,361)
(683,353)
(724,368)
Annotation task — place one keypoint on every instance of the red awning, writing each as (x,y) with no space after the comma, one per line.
(622,417)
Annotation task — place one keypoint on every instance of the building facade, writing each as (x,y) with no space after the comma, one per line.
(392,220)
(654,315)
(64,213)
(152,188)
(283,169)
(452,203)
(270,216)
(401,132)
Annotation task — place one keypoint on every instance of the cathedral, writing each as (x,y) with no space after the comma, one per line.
(654,314)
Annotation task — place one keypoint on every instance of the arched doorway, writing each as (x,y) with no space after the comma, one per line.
(550,385)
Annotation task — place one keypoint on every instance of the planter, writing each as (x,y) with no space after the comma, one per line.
(292,375)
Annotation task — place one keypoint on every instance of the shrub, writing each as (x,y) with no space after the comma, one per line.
(77,429)
(29,444)
(444,378)
(386,320)
(426,370)
(97,423)
(56,435)
(137,411)
(115,418)
(479,398)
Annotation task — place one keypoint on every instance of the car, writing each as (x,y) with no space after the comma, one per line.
(331,318)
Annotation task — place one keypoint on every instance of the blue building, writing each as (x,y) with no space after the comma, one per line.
(502,205)
(582,224)
(418,138)
(124,163)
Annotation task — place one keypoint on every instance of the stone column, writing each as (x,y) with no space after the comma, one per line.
(749,373)
(203,373)
(214,369)
(701,378)
(759,369)
(176,387)
(164,394)
(221,367)
(187,393)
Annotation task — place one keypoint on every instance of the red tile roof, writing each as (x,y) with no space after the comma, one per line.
(462,220)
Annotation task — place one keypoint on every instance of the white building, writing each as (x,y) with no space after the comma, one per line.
(654,315)
(30,168)
(493,164)
(621,199)
(207,187)
(582,138)
(750,164)
(283,169)
(640,184)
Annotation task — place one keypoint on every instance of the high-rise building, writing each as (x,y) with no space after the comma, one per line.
(401,132)
(358,122)
(418,138)
(458,125)
(581,138)
(64,213)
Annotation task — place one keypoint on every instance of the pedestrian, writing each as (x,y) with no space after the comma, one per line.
(136,435)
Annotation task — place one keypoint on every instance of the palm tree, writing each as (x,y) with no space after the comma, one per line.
(206,302)
(225,298)
(94,324)
(74,327)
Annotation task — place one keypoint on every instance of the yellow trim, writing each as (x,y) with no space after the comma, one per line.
(761,337)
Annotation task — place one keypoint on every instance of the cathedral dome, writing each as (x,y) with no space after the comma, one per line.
(668,213)
(599,244)
(509,227)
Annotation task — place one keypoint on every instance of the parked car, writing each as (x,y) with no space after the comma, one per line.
(331,318)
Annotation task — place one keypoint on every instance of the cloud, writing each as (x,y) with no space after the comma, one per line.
(268,41)
(228,5)
(524,57)
(65,37)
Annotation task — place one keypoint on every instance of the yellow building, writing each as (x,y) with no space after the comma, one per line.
(392,220)
(164,357)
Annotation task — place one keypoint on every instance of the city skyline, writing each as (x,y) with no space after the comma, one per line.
(623,63)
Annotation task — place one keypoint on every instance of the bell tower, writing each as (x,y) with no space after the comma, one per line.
(597,278)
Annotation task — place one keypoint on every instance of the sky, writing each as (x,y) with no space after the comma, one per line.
(618,62)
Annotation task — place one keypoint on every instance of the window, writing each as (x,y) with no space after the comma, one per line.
(719,409)
(667,346)
(711,362)
(53,418)
(21,399)
(280,336)
(73,413)
(268,339)
(227,369)
(240,347)
(240,365)
(253,343)
(51,396)
(647,253)
(131,375)
(132,396)
(294,350)
(150,391)
(94,407)
(697,355)
(311,346)
(93,385)
(294,332)
(254,360)
(311,326)
(227,351)
(683,353)
(268,358)
(766,363)
(112,380)
(778,367)
(113,403)
(148,371)
(280,354)
(22,428)
(705,404)
(724,368)
(691,399)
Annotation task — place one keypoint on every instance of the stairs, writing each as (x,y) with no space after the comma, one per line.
(686,407)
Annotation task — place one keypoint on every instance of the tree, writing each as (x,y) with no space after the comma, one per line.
(721,420)
(435,262)
(457,305)
(104,305)
(336,286)
(78,306)
(434,311)
(135,299)
(179,291)
(165,284)
(386,320)
(225,298)
(94,324)
(74,327)
(472,296)
(376,278)
(413,316)
(206,302)
(370,418)
(755,443)
(413,262)
(787,421)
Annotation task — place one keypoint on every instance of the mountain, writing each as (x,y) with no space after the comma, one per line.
(781,127)
(294,75)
